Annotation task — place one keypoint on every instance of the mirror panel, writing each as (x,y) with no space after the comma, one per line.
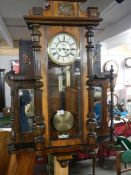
(26,102)
(98,104)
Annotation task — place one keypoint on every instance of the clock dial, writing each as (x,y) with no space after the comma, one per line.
(63,49)
(115,99)
(128,62)
(107,66)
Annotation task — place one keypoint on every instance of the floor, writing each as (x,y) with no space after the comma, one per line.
(84,167)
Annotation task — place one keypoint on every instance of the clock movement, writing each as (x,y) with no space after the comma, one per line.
(63,80)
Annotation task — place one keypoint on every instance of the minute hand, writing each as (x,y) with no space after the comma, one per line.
(68,50)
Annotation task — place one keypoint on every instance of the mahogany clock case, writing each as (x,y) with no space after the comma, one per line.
(60,88)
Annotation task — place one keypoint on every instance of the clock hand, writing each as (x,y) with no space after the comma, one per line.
(69,49)
(66,50)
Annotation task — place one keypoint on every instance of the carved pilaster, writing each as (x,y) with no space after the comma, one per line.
(38,119)
(91,122)
(90,51)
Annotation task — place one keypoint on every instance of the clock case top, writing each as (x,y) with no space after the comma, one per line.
(55,14)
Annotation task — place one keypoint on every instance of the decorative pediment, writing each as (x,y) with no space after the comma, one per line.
(64,9)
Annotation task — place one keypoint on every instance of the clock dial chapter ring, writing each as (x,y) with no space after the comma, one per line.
(63,49)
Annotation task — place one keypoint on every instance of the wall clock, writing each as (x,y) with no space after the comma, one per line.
(66,44)
(128,62)
(63,49)
(107,66)
(115,99)
(63,55)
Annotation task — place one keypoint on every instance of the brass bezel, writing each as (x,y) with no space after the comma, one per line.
(113,63)
(50,55)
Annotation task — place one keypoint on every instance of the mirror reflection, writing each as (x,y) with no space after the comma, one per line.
(98,104)
(26,98)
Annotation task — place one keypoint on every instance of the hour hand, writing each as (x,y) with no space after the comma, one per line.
(65,50)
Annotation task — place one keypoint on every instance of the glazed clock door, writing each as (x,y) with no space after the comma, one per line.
(64,83)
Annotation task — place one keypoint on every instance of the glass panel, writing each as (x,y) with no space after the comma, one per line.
(26,97)
(98,104)
(64,97)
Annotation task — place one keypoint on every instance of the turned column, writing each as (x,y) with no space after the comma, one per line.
(91,122)
(111,103)
(38,119)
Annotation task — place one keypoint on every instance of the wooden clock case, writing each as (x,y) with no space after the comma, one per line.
(57,17)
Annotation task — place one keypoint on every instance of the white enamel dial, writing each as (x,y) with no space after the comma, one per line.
(63,49)
(107,66)
(128,62)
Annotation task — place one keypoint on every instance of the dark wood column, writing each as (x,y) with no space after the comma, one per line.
(38,119)
(2,90)
(111,104)
(91,122)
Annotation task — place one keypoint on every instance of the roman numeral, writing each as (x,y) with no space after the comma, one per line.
(54,53)
(58,39)
(72,54)
(53,48)
(72,44)
(63,38)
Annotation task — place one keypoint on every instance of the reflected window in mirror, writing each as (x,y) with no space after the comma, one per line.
(98,104)
(26,101)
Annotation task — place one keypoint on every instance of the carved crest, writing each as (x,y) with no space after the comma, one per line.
(26,59)
(65,8)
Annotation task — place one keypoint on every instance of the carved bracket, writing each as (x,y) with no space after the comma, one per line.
(64,160)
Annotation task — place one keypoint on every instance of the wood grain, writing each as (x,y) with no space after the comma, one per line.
(4,155)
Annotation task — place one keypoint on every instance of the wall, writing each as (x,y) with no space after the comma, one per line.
(5,63)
